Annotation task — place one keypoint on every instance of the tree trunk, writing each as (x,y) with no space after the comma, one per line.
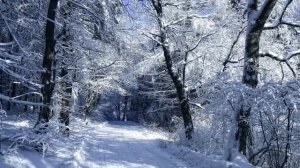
(1,88)
(125,108)
(118,111)
(64,115)
(48,59)
(26,99)
(256,21)
(181,92)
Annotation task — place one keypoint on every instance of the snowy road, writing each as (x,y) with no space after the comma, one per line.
(98,145)
(121,145)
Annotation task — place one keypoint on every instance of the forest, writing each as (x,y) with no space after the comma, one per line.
(217,80)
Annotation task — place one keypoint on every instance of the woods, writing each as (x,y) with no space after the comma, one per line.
(219,77)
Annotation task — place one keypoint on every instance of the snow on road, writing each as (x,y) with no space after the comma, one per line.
(121,144)
(105,145)
(99,145)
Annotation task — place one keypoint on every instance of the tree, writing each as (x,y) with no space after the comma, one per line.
(256,20)
(256,23)
(48,59)
(178,83)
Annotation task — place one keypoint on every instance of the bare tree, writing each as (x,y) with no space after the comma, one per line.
(178,83)
(48,59)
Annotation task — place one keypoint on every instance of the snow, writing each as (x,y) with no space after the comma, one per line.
(113,144)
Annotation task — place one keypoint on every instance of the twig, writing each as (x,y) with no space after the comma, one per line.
(227,60)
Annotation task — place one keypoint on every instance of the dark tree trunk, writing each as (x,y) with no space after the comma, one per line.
(12,94)
(181,93)
(64,115)
(1,88)
(251,64)
(254,30)
(25,98)
(118,111)
(243,129)
(48,59)
(26,106)
(13,91)
(125,108)
(8,105)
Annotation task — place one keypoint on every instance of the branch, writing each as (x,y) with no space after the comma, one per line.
(199,41)
(193,48)
(173,4)
(6,44)
(227,60)
(272,56)
(151,37)
(86,9)
(11,33)
(292,24)
(10,63)
(29,93)
(182,19)
(197,105)
(102,67)
(275,57)
(280,20)
(53,21)
(22,78)
(6,98)
(282,72)
(292,54)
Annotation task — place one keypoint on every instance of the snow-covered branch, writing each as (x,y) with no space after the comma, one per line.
(173,4)
(12,34)
(280,20)
(149,35)
(6,44)
(174,22)
(102,67)
(292,54)
(277,58)
(32,85)
(13,100)
(10,56)
(200,40)
(86,9)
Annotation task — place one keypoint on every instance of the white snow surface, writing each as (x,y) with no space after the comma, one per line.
(107,145)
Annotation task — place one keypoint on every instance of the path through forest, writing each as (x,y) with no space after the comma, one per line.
(121,144)
(95,145)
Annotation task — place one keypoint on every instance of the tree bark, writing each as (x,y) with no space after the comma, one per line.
(48,59)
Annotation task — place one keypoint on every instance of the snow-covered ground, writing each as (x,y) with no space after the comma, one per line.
(104,145)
